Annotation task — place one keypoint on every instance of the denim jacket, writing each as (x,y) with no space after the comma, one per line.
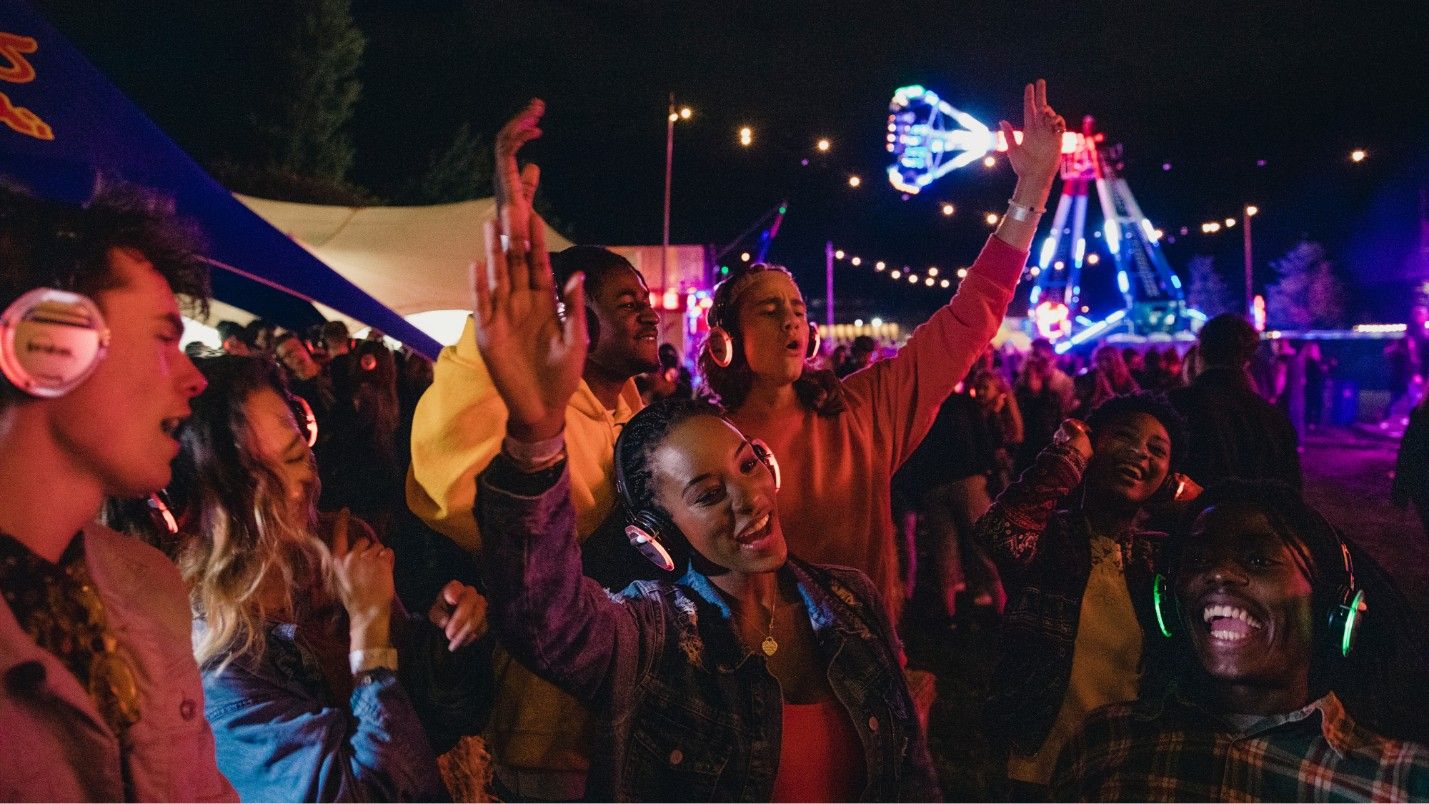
(691,713)
(283,735)
(1044,556)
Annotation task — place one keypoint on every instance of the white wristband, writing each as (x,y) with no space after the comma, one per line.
(534,457)
(1022,212)
(360,661)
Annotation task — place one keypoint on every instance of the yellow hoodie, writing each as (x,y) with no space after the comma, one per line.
(538,734)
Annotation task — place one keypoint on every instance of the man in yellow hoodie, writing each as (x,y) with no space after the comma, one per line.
(539,736)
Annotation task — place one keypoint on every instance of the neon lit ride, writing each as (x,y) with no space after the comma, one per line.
(928,138)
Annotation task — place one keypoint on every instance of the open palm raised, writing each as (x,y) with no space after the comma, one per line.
(535,359)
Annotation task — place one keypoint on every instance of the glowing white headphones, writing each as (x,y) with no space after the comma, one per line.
(51,340)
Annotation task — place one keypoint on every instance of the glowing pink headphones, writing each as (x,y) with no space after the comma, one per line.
(720,343)
(647,528)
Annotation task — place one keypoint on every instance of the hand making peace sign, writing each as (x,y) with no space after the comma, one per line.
(1037,157)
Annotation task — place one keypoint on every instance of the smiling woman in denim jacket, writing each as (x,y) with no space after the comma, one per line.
(754,676)
(318,685)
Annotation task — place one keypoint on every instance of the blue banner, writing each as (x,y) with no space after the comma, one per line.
(62,124)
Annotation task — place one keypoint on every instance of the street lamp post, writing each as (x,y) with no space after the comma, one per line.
(1249,263)
(670,119)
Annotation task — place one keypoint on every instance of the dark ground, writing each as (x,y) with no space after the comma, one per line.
(1347,478)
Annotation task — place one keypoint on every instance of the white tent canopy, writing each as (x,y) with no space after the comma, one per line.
(416,259)
(412,259)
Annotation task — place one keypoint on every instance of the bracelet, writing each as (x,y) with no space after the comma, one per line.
(1022,212)
(361,661)
(533,457)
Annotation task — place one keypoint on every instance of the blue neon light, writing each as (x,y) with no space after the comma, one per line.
(1048,247)
(1122,282)
(928,137)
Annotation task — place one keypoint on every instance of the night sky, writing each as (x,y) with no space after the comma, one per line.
(1208,88)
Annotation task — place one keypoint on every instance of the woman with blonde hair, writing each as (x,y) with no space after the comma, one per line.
(297,628)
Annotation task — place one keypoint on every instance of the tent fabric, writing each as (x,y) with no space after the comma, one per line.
(416,259)
(62,124)
(412,259)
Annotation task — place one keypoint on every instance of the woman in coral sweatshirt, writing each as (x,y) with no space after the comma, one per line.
(841,441)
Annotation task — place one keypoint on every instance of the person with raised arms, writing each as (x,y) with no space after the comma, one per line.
(753,676)
(843,439)
(539,737)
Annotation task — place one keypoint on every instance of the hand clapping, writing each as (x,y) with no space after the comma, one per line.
(363,571)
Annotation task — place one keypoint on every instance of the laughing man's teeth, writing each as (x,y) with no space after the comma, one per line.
(1233,612)
(1229,636)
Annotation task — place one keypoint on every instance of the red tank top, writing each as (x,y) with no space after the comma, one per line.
(820,755)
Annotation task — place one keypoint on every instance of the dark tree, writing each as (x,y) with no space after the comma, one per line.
(1308,294)
(1208,291)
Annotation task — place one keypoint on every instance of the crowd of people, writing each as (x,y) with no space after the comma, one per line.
(564,563)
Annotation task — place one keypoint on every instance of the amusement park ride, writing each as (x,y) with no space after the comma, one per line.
(928,138)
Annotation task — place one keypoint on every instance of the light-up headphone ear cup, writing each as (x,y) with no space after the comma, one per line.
(720,346)
(766,456)
(1344,620)
(51,341)
(644,536)
(1165,606)
(815,341)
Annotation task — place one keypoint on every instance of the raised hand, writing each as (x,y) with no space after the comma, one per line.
(363,571)
(460,611)
(534,358)
(1036,158)
(516,186)
(1075,433)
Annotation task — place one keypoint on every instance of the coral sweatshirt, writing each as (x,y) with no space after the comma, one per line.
(539,735)
(836,502)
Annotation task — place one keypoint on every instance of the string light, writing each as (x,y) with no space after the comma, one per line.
(685,112)
(854,180)
(1358,155)
(746,136)
(991,218)
(931,278)
(823,145)
(948,210)
(989,161)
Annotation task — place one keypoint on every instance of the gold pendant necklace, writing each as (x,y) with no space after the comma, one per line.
(769,646)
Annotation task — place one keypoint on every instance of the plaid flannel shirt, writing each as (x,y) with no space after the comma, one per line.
(1168,749)
(1044,556)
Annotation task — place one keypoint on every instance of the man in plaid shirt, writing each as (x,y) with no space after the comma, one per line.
(1252,718)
